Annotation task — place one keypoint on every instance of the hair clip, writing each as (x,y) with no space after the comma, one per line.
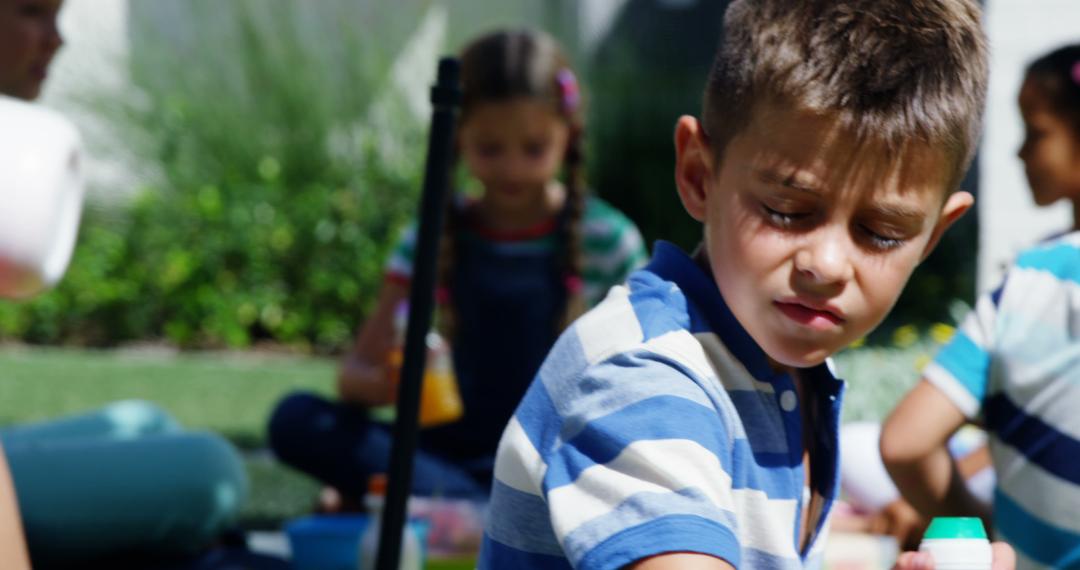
(1075,75)
(573,284)
(568,87)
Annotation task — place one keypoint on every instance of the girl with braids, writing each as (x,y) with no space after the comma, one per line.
(518,263)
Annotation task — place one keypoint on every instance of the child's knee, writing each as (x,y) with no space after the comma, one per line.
(139,417)
(213,489)
(289,419)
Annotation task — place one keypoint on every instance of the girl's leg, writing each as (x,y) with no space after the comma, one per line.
(341,447)
(120,420)
(162,494)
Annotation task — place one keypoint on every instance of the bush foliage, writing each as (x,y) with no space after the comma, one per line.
(277,163)
(271,192)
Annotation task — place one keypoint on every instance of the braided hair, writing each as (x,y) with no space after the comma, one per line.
(1057,77)
(501,66)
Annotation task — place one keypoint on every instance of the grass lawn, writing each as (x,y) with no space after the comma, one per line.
(231,394)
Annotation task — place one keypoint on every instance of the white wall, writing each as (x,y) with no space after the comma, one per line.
(596,18)
(1019,31)
(93,60)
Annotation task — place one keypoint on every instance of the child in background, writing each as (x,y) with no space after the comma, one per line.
(22,42)
(518,262)
(1014,365)
(874,504)
(29,40)
(123,479)
(690,420)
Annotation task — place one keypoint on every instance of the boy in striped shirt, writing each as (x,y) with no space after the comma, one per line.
(690,420)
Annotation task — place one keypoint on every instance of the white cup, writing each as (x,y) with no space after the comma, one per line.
(957,543)
(41,194)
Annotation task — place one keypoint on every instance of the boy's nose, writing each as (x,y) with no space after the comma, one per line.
(824,260)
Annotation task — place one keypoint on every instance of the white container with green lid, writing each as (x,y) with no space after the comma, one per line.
(957,543)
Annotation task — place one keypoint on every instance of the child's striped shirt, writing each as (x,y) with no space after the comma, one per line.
(1014,366)
(656,425)
(611,247)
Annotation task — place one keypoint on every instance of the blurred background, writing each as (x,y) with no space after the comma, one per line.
(251,163)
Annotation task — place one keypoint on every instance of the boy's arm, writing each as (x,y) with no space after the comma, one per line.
(682,561)
(914,448)
(13,552)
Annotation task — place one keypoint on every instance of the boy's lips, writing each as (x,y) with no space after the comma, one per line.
(817,316)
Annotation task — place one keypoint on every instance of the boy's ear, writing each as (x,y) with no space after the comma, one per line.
(955,206)
(693,165)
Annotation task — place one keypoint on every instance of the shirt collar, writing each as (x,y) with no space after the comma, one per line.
(671,263)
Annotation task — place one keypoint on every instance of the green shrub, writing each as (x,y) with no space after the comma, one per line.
(271,191)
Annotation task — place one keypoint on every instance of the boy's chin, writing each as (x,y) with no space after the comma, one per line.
(798,357)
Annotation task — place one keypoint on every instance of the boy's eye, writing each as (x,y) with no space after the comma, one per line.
(879,240)
(783,218)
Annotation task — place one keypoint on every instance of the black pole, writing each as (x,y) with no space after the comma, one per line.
(445,98)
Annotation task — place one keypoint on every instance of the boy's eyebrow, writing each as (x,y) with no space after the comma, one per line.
(789,178)
(898,211)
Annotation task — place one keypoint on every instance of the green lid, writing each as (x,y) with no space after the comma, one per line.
(955,527)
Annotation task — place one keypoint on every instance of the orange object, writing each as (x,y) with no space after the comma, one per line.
(377,484)
(440,400)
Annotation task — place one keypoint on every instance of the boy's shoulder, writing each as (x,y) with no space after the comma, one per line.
(645,307)
(636,344)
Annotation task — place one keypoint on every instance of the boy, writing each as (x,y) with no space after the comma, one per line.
(689,420)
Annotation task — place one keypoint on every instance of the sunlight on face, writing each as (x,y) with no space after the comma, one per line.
(811,236)
(28,41)
(514,148)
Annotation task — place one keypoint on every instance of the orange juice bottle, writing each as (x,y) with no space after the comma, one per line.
(440,400)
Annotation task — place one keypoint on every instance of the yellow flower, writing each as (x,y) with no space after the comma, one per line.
(905,336)
(942,333)
(921,362)
(859,343)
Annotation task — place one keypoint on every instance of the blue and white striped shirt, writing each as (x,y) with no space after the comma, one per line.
(656,425)
(1014,365)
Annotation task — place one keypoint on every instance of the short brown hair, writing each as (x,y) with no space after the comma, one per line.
(891,70)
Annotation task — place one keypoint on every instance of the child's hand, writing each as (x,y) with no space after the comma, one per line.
(361,382)
(1004,559)
(900,520)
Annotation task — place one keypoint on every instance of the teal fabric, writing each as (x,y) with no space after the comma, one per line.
(125,478)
